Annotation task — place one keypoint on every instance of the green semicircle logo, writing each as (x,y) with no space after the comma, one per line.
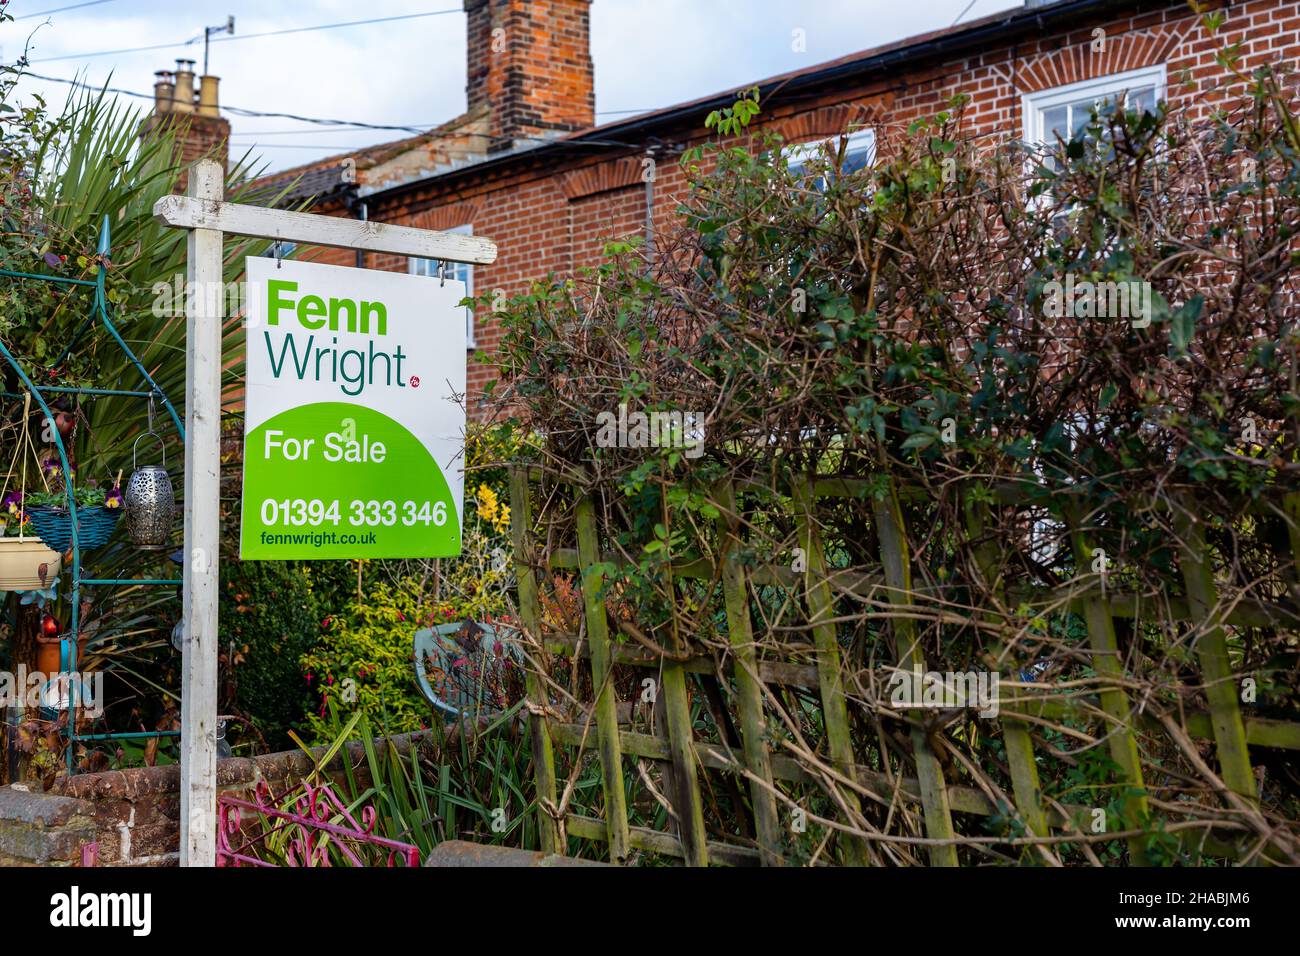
(336,480)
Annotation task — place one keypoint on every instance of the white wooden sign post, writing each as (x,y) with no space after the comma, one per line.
(209,218)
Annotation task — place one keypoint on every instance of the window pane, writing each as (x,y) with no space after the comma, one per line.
(858,154)
(1068,120)
(1139,98)
(1142,100)
(429,267)
(1055,120)
(856,159)
(1080,114)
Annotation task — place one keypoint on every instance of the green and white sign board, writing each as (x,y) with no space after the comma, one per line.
(352,436)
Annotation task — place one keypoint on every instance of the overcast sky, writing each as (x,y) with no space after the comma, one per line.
(411,72)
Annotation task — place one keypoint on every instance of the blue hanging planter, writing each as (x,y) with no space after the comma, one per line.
(95,525)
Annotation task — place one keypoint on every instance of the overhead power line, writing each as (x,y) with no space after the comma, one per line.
(337,147)
(963,13)
(75,6)
(338,124)
(130,49)
(238,111)
(358,124)
(246,36)
(336,26)
(316,132)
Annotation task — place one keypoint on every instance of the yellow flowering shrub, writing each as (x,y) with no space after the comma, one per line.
(363,658)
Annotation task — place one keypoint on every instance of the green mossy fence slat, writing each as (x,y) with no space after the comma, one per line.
(691,764)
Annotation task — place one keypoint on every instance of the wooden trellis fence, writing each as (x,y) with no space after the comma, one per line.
(690,762)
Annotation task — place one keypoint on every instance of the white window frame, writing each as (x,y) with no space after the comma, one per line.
(413,266)
(1034,105)
(802,152)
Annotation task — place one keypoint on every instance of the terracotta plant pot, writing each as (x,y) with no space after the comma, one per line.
(47,655)
(27,564)
(48,652)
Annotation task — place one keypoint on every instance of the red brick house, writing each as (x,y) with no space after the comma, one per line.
(526,166)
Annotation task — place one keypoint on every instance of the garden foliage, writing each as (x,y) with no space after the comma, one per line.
(902,326)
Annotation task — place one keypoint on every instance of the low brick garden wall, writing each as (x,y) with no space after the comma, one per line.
(43,829)
(134,815)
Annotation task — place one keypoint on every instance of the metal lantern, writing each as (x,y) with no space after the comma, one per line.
(150,501)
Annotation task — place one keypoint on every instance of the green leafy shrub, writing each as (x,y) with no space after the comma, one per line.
(902,332)
(272,613)
(369,642)
(363,661)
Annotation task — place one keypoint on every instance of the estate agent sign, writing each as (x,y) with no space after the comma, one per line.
(375,400)
(352,435)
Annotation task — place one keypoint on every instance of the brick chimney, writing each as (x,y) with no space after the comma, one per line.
(200,130)
(530,65)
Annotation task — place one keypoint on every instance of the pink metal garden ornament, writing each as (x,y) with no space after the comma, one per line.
(319,831)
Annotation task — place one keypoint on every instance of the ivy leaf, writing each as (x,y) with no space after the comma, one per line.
(1182,324)
(1055,437)
(1020,449)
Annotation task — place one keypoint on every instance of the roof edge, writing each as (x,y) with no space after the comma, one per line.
(995,27)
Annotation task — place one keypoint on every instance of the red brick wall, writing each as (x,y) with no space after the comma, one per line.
(554,217)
